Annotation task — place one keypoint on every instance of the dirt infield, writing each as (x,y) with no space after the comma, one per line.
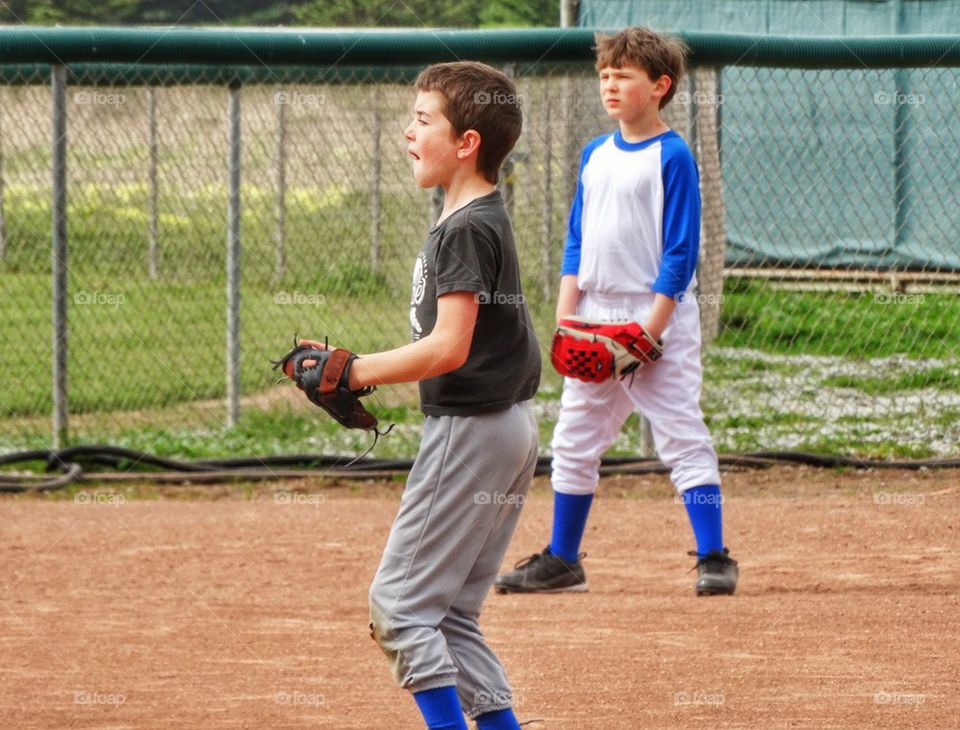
(246,608)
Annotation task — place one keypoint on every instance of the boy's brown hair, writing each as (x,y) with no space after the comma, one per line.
(658,55)
(481,98)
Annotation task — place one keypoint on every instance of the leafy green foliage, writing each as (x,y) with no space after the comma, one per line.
(340,13)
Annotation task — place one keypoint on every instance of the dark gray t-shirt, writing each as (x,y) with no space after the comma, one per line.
(473,250)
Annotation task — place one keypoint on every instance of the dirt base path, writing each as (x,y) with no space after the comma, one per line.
(242,608)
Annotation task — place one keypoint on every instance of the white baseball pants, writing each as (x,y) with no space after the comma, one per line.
(666,393)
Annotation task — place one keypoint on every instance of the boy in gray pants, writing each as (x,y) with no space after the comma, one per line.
(475,355)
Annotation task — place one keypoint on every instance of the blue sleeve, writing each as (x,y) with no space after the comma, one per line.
(571,251)
(681,220)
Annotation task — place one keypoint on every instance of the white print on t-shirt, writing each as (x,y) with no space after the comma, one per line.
(419,288)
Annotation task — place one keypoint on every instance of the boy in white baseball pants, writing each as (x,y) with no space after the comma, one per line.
(631,253)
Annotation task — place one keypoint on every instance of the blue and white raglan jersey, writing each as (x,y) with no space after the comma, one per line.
(635,221)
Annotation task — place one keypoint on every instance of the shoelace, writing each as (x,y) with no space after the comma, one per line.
(536,556)
(718,557)
(527,561)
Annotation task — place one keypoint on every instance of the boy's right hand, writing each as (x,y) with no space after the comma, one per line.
(315,344)
(309,363)
(323,374)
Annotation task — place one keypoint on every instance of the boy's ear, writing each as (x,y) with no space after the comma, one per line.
(662,86)
(469,144)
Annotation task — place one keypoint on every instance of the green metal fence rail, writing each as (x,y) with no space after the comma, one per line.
(179,74)
(32,45)
(214,191)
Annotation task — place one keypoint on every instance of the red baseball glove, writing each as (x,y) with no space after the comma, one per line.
(593,351)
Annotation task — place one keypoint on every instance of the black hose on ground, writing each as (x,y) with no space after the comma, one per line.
(68,466)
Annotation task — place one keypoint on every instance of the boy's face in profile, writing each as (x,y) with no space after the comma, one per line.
(628,93)
(431,141)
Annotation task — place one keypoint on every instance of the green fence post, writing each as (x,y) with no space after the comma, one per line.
(233,262)
(902,152)
(59,254)
(376,212)
(153,175)
(3,220)
(280,233)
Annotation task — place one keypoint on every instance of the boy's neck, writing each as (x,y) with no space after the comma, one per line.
(642,129)
(462,190)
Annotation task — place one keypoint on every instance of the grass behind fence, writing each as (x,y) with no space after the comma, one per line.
(147,345)
(859,325)
(125,354)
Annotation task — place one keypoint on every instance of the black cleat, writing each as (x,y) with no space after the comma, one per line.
(543,573)
(717,573)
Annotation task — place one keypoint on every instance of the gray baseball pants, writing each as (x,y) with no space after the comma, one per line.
(457,516)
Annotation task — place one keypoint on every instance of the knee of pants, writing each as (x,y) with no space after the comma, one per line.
(382,623)
(694,469)
(416,663)
(569,476)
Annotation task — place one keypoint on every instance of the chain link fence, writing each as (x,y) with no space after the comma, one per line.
(828,273)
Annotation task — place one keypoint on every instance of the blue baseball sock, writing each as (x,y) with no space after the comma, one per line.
(498,720)
(569,521)
(706,517)
(440,708)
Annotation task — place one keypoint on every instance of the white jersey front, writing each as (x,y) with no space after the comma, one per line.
(634,225)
